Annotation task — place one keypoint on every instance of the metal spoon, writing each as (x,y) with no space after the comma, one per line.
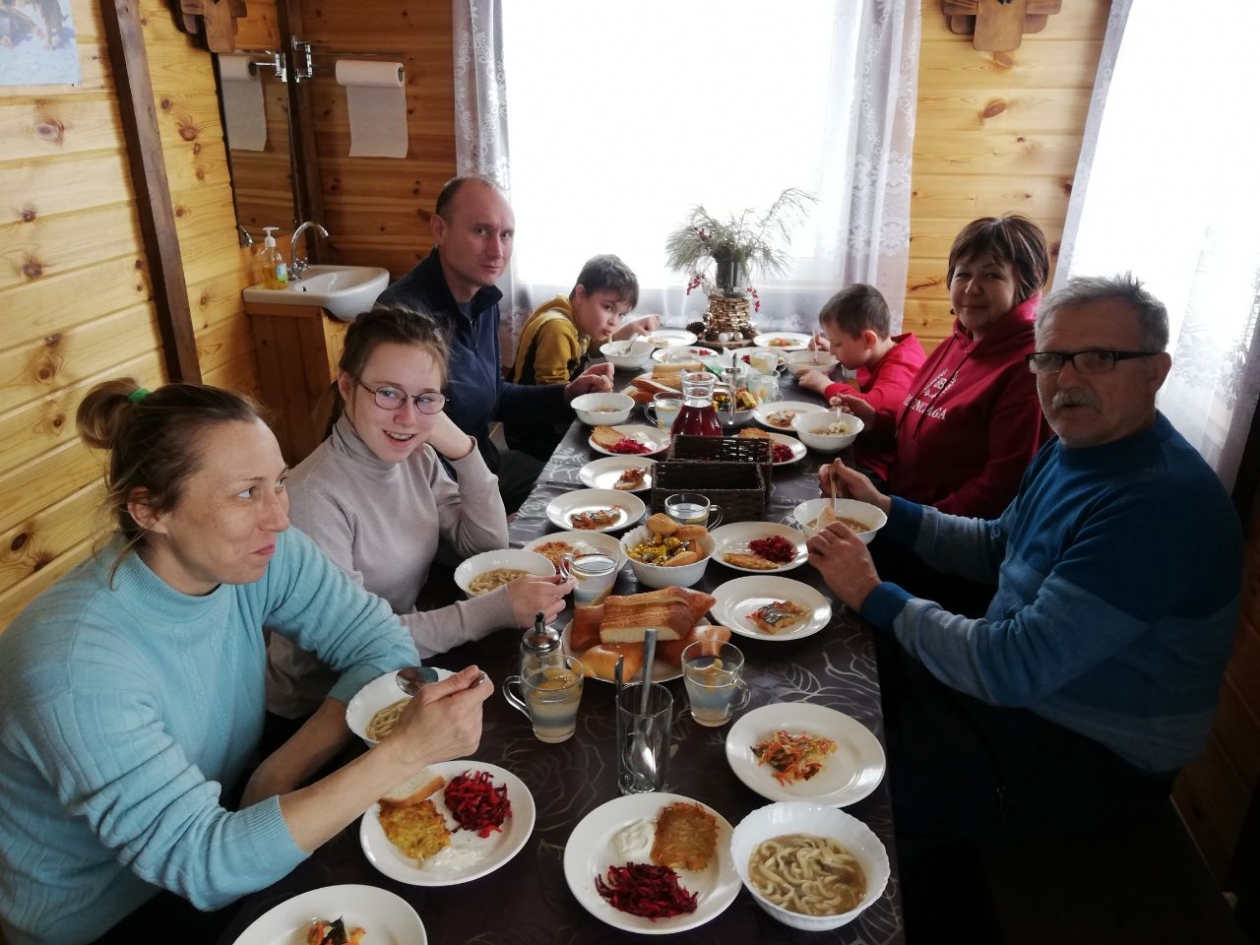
(646,762)
(410,679)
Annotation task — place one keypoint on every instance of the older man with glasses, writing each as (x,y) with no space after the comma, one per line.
(1093,676)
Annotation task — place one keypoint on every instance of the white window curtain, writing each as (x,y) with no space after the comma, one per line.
(622,118)
(1167,188)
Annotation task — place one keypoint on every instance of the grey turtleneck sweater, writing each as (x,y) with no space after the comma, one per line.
(380,523)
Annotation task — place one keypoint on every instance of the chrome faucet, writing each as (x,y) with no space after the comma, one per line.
(298,264)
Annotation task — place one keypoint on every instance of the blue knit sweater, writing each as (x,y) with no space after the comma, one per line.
(1118,570)
(123,713)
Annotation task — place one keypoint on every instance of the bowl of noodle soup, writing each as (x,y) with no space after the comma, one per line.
(810,859)
(374,709)
(489,570)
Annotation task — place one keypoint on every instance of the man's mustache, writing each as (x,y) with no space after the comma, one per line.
(1073,398)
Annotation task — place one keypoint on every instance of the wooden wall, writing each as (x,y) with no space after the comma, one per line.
(75,304)
(377,209)
(995,133)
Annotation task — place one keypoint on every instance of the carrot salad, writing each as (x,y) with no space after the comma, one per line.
(793,757)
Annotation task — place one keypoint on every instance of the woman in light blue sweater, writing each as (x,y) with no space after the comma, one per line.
(131,692)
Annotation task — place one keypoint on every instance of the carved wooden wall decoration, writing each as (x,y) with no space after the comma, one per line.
(213,19)
(998,25)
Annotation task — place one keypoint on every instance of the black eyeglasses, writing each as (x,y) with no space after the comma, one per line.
(392,398)
(1092,361)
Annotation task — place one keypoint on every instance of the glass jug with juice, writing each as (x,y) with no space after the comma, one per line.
(698,416)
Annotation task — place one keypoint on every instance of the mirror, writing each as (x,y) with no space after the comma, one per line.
(262,172)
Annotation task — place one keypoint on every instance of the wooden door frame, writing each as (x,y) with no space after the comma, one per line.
(129,61)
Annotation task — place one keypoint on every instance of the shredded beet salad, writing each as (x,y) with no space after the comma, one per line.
(645,890)
(476,804)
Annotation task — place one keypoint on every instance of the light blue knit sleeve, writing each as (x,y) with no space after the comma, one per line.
(315,604)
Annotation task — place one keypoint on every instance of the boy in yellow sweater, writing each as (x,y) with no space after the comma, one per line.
(556,339)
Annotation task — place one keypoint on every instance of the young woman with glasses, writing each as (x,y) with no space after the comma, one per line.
(376,497)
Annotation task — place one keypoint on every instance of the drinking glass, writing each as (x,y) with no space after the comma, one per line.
(549,698)
(713,675)
(643,740)
(666,407)
(593,577)
(692,508)
(764,361)
(765,387)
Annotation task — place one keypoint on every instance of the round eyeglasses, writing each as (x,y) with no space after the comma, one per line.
(393,398)
(1093,361)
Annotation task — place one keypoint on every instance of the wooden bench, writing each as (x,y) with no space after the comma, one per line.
(1141,884)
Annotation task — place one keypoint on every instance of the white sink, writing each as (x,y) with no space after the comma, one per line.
(344,291)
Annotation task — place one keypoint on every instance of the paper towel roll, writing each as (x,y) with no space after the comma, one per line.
(377,103)
(242,104)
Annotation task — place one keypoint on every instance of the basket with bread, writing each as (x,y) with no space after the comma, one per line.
(663,553)
(598,635)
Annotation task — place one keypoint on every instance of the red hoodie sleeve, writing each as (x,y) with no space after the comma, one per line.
(1017,429)
(893,379)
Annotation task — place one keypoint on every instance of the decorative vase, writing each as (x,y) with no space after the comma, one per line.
(730,276)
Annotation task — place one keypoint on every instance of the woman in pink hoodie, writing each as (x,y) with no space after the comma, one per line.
(972,421)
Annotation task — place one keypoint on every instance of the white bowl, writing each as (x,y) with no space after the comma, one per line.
(656,575)
(380,693)
(869,515)
(627,355)
(808,427)
(788,817)
(798,362)
(607,409)
(518,558)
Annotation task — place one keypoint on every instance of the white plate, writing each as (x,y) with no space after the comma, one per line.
(762,413)
(738,355)
(661,671)
(585,543)
(380,692)
(670,337)
(849,774)
(602,473)
(796,446)
(494,850)
(736,536)
(590,851)
(798,340)
(562,508)
(655,439)
(387,919)
(738,598)
(667,355)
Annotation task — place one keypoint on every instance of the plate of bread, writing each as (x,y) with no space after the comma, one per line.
(598,635)
(765,607)
(628,439)
(849,766)
(662,832)
(595,510)
(759,547)
(662,379)
(453,822)
(624,474)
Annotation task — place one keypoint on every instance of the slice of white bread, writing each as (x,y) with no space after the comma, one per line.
(606,436)
(415,789)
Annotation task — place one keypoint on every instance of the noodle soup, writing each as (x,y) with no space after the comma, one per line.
(386,720)
(487,582)
(809,875)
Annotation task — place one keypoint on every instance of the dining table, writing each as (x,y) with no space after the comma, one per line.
(526,901)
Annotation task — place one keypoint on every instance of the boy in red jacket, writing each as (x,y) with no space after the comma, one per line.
(856,324)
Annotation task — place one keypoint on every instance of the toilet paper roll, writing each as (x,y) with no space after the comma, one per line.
(246,121)
(377,103)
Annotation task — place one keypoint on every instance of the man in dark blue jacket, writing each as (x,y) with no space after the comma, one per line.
(473,228)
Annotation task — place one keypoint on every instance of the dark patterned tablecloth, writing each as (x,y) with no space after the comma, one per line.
(526,901)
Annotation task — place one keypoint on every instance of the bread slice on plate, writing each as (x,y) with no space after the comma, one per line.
(415,789)
(607,437)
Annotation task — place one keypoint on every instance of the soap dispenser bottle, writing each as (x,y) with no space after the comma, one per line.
(275,273)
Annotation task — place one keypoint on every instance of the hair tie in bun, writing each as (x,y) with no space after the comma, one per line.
(138,395)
